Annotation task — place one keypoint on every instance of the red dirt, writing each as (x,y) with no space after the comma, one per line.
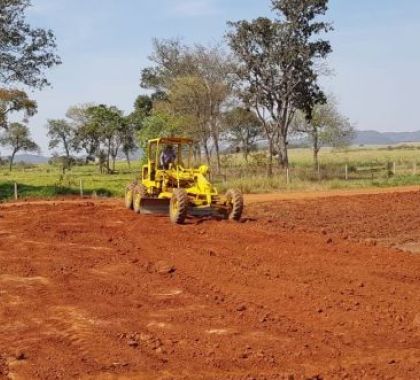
(303,289)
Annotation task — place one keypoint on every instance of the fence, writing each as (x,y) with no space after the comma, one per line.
(325,172)
(36,183)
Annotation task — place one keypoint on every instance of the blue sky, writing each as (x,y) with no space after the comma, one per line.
(105,43)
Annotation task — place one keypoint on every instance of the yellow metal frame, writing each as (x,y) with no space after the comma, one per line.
(160,183)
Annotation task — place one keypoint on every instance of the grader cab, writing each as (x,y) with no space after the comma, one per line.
(171,184)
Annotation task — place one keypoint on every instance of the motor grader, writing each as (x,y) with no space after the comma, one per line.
(179,189)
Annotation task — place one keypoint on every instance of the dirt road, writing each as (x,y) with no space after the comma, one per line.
(303,289)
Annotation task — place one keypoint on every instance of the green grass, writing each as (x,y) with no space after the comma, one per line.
(45,181)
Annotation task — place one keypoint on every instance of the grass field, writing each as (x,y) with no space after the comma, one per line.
(367,167)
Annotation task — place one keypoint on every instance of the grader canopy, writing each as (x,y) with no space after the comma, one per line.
(173,183)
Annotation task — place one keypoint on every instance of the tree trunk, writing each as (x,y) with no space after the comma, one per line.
(12,158)
(66,148)
(108,166)
(270,158)
(114,158)
(127,158)
(245,147)
(216,147)
(207,153)
(315,149)
(283,153)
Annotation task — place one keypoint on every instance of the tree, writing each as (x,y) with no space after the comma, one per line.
(188,100)
(18,138)
(86,136)
(277,66)
(143,106)
(109,126)
(202,72)
(128,138)
(61,132)
(25,52)
(159,124)
(243,128)
(326,127)
(12,100)
(171,59)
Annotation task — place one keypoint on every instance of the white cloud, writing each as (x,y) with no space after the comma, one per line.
(193,8)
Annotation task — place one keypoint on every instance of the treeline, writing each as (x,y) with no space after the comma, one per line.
(261,84)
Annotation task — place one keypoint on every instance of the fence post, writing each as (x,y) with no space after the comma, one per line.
(394,168)
(319,172)
(16,191)
(346,170)
(287,177)
(81,188)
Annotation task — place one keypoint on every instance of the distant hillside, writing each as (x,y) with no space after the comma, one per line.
(385,138)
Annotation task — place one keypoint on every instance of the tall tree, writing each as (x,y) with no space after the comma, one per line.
(61,133)
(326,127)
(86,136)
(18,138)
(188,100)
(25,52)
(205,72)
(12,100)
(278,65)
(128,137)
(243,128)
(109,124)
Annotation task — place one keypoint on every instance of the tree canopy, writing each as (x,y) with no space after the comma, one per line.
(326,127)
(18,138)
(277,70)
(15,101)
(25,52)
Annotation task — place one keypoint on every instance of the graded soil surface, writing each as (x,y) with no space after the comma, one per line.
(325,288)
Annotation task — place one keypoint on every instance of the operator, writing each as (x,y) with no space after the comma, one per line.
(167,157)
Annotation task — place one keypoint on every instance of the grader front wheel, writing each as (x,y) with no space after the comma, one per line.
(235,204)
(139,192)
(178,208)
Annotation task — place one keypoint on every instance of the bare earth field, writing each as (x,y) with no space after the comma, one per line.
(325,288)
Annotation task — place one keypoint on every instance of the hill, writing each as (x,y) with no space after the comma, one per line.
(385,138)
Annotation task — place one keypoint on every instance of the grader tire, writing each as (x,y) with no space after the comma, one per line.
(139,192)
(235,203)
(178,209)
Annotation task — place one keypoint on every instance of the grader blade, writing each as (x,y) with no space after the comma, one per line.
(151,206)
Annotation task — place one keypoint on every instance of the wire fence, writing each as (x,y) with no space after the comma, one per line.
(325,172)
(33,182)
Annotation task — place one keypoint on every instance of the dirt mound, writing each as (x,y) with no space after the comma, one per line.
(91,290)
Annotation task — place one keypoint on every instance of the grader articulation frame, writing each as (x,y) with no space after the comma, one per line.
(179,189)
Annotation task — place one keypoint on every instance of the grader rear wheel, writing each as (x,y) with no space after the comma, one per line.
(235,204)
(178,209)
(139,192)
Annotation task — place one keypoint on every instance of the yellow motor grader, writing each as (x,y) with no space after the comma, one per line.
(170,184)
